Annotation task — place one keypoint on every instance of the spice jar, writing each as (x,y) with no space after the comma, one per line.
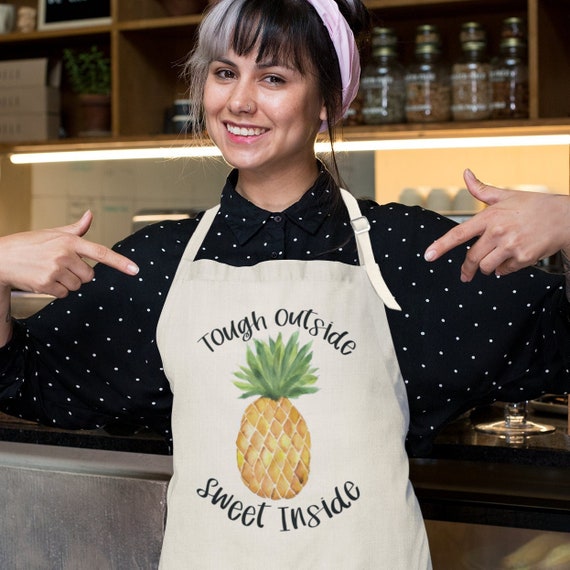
(470,77)
(382,84)
(509,81)
(428,97)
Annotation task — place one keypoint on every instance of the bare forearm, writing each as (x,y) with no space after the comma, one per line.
(5,316)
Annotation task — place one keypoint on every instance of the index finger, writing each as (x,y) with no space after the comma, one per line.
(102,254)
(457,235)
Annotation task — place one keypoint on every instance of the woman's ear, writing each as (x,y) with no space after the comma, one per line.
(323,113)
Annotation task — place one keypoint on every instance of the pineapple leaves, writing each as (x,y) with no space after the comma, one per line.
(277,370)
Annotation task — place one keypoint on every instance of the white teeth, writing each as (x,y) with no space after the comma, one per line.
(242,131)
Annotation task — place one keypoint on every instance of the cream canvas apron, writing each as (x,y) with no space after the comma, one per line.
(314,480)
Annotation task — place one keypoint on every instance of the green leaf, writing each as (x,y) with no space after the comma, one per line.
(275,369)
(88,71)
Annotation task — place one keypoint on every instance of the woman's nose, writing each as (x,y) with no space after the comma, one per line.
(242,100)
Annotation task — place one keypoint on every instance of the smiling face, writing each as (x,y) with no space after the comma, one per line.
(263,115)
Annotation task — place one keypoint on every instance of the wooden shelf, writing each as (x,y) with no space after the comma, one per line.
(461,130)
(159,23)
(43,35)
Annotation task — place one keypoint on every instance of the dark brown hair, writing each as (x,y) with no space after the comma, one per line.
(288,31)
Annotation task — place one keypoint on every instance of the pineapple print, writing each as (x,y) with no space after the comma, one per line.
(273,444)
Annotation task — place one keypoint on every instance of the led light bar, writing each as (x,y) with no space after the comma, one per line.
(194,151)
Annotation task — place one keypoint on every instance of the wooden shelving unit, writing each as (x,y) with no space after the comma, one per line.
(148,47)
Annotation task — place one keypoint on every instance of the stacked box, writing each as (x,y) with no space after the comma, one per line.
(29,100)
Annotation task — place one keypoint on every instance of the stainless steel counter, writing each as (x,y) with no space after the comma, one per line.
(80,509)
(26,304)
(68,507)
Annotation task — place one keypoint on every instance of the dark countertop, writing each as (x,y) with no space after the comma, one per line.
(473,477)
(461,441)
(468,477)
(457,441)
(114,438)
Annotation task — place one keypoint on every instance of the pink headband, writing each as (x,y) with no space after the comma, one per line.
(345,47)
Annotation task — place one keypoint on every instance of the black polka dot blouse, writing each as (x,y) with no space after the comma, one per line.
(91,359)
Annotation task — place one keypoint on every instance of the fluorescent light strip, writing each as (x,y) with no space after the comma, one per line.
(447,143)
(320,147)
(113,154)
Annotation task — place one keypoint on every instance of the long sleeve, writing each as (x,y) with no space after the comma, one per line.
(91,358)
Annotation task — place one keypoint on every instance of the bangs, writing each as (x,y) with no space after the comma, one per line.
(278,34)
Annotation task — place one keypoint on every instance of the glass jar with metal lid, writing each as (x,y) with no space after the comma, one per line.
(470,76)
(382,84)
(428,96)
(509,81)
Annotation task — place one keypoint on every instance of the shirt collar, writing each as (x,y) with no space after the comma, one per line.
(245,219)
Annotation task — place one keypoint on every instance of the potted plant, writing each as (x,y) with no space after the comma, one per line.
(89,75)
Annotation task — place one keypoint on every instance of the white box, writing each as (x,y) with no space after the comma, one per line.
(29,73)
(27,100)
(30,127)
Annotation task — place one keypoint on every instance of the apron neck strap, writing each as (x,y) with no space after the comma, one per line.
(200,233)
(360,226)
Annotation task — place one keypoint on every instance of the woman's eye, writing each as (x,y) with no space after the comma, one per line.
(274,79)
(224,73)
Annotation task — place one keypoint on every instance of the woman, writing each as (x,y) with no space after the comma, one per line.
(298,369)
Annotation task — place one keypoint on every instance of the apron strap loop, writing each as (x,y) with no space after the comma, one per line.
(360,225)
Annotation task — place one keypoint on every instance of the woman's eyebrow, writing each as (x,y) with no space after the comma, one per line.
(275,63)
(265,64)
(223,60)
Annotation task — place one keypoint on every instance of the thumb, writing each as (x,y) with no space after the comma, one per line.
(81,226)
(483,192)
